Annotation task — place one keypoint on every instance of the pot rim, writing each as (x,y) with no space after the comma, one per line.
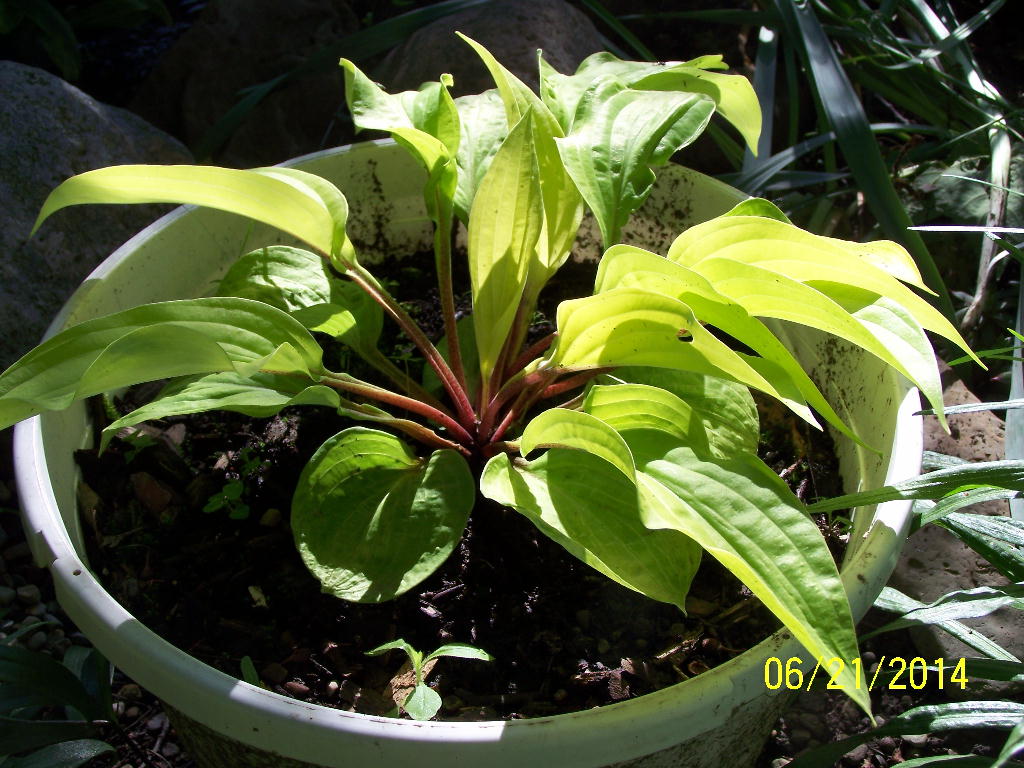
(314,729)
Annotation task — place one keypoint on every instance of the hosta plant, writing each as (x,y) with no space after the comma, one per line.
(627,436)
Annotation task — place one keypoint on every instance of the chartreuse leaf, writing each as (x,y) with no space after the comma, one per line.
(343,252)
(562,428)
(614,139)
(259,395)
(733,95)
(425,122)
(631,326)
(503,229)
(821,262)
(629,266)
(156,341)
(724,406)
(289,205)
(483,129)
(745,516)
(300,283)
(371,520)
(573,499)
(562,204)
(639,406)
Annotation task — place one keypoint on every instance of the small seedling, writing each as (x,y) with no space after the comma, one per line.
(423,701)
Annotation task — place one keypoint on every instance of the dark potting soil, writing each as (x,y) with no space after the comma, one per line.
(189,530)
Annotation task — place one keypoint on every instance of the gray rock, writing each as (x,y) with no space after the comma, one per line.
(30,595)
(49,130)
(244,43)
(934,562)
(512,30)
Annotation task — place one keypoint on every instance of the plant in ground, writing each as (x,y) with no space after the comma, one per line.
(628,435)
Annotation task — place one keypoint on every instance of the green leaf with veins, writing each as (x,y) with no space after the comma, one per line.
(425,122)
(300,283)
(740,512)
(298,203)
(503,229)
(484,128)
(371,520)
(561,201)
(157,341)
(259,395)
(595,514)
(614,140)
(562,428)
(631,326)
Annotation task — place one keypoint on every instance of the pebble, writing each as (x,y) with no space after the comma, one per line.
(50,617)
(132,712)
(30,595)
(332,689)
(156,722)
(37,610)
(7,595)
(36,641)
(170,749)
(18,551)
(858,755)
(130,691)
(799,737)
(916,739)
(868,658)
(887,744)
(781,762)
(603,646)
(295,688)
(29,620)
(274,672)
(270,518)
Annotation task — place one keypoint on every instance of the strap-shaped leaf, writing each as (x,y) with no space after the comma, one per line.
(562,428)
(503,229)
(156,341)
(68,754)
(573,499)
(928,719)
(289,205)
(19,735)
(371,520)
(29,679)
(742,514)
(459,651)
(959,604)
(613,142)
(630,326)
(484,127)
(259,395)
(300,283)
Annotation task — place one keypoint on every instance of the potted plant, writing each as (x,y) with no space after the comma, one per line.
(633,471)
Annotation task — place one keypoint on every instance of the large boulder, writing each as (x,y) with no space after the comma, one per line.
(512,30)
(50,130)
(240,43)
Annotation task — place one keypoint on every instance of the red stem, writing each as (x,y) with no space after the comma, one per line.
(348,384)
(530,353)
(433,357)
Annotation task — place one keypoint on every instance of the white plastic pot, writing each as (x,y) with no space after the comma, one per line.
(720,717)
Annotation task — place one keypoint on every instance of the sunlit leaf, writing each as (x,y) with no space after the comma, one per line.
(562,428)
(371,520)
